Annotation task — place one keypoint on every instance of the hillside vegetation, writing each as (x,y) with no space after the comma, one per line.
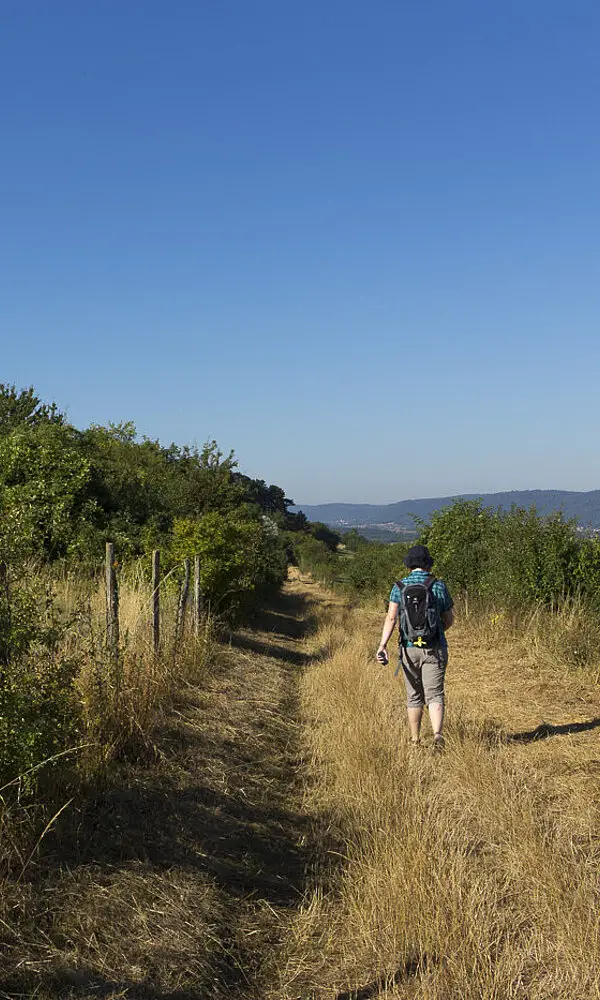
(64,493)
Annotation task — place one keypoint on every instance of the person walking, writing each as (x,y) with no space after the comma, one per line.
(422,606)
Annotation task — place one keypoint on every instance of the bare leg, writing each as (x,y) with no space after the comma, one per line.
(436,716)
(414,721)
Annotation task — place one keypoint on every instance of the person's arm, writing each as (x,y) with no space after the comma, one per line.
(388,626)
(447,619)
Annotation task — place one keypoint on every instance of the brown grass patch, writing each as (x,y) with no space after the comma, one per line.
(171,877)
(471,875)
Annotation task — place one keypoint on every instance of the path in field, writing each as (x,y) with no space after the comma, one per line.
(178,880)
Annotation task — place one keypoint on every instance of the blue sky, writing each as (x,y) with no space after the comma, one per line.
(358,242)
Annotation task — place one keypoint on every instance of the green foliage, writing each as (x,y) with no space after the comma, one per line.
(23,408)
(43,490)
(514,557)
(270,499)
(587,571)
(353,541)
(372,568)
(295,522)
(324,534)
(38,710)
(459,538)
(240,553)
(315,557)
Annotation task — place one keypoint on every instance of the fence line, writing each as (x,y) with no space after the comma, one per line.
(112,602)
(197,607)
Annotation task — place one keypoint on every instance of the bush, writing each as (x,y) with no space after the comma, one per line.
(514,558)
(39,714)
(240,553)
(372,568)
(315,557)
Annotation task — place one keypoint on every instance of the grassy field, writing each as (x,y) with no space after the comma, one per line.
(282,841)
(470,875)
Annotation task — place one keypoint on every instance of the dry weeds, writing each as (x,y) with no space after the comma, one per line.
(284,842)
(472,875)
(169,877)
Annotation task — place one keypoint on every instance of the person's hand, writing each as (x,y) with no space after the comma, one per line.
(382,656)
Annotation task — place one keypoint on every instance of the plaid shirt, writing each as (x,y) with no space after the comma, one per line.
(440,592)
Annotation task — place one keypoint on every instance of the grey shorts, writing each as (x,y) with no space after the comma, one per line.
(424,671)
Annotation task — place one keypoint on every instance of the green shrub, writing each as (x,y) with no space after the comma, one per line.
(514,558)
(315,557)
(371,568)
(240,553)
(39,713)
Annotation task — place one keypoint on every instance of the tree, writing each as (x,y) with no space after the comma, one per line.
(324,534)
(23,408)
(43,489)
(270,499)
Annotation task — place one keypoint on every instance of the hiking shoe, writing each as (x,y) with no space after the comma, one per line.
(438,743)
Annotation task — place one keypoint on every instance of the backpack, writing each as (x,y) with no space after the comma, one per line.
(420,621)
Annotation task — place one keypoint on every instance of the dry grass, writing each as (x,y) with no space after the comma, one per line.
(171,876)
(284,842)
(122,703)
(473,875)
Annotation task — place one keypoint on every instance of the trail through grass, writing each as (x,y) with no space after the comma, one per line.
(171,880)
(286,843)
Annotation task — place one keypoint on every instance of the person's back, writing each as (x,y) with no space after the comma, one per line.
(423,646)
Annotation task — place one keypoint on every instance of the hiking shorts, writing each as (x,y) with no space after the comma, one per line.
(424,672)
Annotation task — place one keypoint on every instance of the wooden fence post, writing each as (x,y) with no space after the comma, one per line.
(197,597)
(183,599)
(112,603)
(156,600)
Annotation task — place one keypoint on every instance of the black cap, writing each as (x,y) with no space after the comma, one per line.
(420,556)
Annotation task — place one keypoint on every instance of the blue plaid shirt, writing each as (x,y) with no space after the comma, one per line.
(440,592)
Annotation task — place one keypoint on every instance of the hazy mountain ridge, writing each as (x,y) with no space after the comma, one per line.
(584,507)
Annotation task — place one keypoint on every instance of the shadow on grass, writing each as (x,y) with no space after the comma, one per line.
(266,648)
(406,971)
(287,620)
(288,615)
(69,984)
(545,730)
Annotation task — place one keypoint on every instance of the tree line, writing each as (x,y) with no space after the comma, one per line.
(64,492)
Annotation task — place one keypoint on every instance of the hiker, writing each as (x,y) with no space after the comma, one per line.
(424,607)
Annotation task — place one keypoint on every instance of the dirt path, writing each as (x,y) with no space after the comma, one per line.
(175,881)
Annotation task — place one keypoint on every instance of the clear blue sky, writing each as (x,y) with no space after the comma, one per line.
(358,242)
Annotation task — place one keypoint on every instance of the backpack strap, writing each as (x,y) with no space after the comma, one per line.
(430,582)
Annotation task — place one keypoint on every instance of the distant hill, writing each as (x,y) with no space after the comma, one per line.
(397,518)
